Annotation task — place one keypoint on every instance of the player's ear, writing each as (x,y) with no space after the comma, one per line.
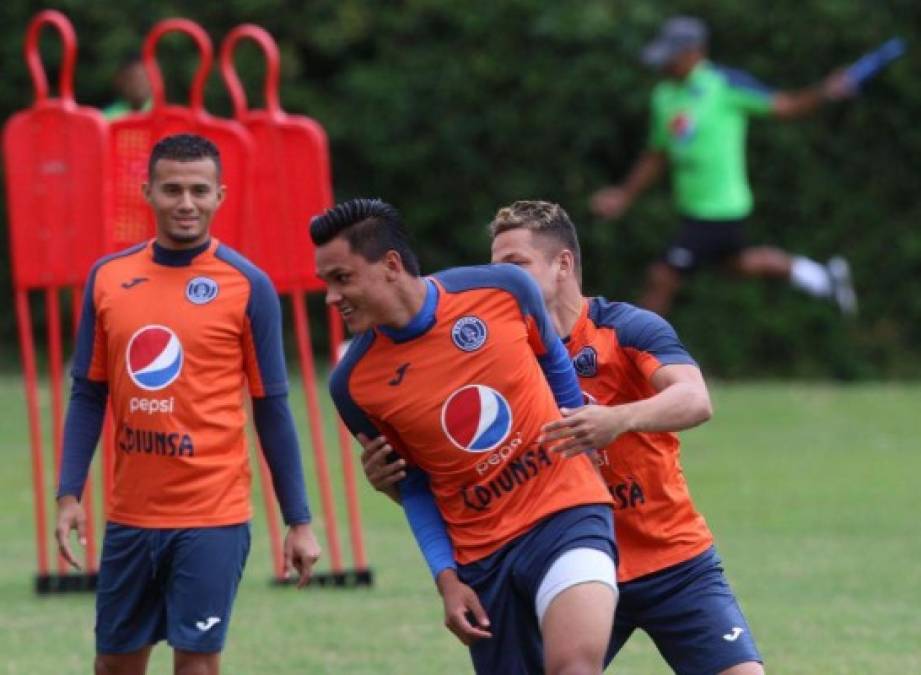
(146,191)
(221,193)
(567,261)
(393,264)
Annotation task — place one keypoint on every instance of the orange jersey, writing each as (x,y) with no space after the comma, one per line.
(174,336)
(616,348)
(463,399)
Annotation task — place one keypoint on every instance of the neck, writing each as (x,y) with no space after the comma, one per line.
(566,307)
(409,300)
(168,243)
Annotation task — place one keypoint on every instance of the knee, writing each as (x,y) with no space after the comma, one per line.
(101,667)
(578,665)
(188,663)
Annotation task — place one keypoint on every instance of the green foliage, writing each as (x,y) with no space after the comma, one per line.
(450,110)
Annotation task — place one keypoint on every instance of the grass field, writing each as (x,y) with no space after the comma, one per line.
(812,491)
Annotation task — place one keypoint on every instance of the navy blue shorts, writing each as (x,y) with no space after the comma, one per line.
(691,615)
(507,582)
(177,584)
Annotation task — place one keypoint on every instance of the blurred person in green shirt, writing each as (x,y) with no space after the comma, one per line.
(133,89)
(699,120)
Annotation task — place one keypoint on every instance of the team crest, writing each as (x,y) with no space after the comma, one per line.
(469,333)
(586,362)
(201,290)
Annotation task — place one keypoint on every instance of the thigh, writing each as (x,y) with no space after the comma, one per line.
(515,646)
(699,626)
(206,565)
(577,628)
(130,604)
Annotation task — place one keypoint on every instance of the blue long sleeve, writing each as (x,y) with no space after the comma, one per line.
(560,375)
(426,522)
(86,413)
(275,428)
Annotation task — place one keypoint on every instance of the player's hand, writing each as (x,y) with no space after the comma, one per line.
(382,475)
(464,615)
(590,427)
(301,552)
(838,86)
(71,516)
(610,202)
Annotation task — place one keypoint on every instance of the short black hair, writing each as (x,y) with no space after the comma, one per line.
(184,148)
(370,226)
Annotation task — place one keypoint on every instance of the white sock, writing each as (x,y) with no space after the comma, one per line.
(811,277)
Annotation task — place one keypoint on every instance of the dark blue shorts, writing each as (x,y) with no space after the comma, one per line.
(177,584)
(507,582)
(691,615)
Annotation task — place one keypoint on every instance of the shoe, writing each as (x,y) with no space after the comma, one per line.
(842,287)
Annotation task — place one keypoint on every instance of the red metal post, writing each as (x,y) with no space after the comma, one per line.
(315,422)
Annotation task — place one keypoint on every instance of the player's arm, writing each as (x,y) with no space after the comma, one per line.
(794,104)
(83,424)
(612,201)
(681,402)
(755,98)
(264,361)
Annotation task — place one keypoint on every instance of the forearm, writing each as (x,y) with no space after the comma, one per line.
(426,522)
(680,406)
(278,438)
(647,170)
(82,428)
(794,104)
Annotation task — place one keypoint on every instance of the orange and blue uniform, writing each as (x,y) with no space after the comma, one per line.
(464,400)
(171,338)
(462,393)
(671,582)
(616,348)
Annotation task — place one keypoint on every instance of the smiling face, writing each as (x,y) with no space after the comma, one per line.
(361,290)
(531,253)
(184,196)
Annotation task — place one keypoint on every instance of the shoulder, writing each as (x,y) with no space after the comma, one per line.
(339,378)
(501,276)
(111,261)
(631,323)
(241,264)
(736,78)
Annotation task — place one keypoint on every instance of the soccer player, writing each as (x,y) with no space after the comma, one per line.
(133,89)
(644,386)
(170,330)
(697,128)
(460,370)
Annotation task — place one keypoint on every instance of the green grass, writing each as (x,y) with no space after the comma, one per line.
(810,489)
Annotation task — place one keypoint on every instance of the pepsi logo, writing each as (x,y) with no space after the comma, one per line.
(682,126)
(154,357)
(476,418)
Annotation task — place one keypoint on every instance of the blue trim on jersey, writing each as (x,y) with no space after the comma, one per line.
(278,438)
(506,277)
(740,79)
(640,329)
(424,518)
(86,412)
(561,376)
(264,312)
(170,257)
(352,415)
(421,323)
(86,331)
(426,522)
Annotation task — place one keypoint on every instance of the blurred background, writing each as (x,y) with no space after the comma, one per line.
(449,110)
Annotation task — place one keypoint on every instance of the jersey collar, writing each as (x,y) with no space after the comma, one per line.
(421,322)
(172,258)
